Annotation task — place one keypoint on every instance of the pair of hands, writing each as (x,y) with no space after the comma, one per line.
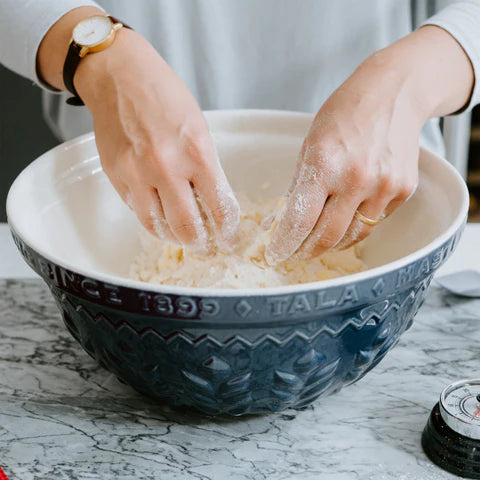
(361,153)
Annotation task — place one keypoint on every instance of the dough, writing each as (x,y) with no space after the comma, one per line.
(169,264)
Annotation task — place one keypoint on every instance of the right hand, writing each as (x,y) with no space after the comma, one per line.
(155,146)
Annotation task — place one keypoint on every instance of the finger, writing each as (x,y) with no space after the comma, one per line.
(122,190)
(183,216)
(221,207)
(296,220)
(330,228)
(400,199)
(375,209)
(298,167)
(157,215)
(148,208)
(267,222)
(129,201)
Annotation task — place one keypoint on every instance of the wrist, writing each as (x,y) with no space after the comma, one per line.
(406,77)
(98,73)
(435,74)
(391,85)
(54,45)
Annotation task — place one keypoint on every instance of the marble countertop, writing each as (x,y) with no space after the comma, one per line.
(63,417)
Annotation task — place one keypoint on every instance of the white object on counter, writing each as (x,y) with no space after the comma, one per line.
(466,256)
(12,264)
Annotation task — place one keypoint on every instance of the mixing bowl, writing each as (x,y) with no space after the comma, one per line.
(220,350)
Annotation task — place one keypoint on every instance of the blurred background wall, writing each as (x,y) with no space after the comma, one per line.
(23,133)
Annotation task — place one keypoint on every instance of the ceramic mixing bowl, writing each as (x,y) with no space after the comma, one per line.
(219,350)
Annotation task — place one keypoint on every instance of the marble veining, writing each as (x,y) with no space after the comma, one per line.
(63,417)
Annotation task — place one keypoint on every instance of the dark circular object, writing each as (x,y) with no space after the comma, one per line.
(448,449)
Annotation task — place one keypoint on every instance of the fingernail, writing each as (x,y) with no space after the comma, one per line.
(225,247)
(158,232)
(129,201)
(161,228)
(227,241)
(301,256)
(339,245)
(229,234)
(197,248)
(272,258)
(158,227)
(201,244)
(267,222)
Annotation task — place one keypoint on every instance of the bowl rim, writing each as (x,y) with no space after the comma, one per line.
(244,292)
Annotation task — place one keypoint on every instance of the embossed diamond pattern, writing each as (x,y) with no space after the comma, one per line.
(240,376)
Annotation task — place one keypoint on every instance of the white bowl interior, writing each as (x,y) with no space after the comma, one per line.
(64,206)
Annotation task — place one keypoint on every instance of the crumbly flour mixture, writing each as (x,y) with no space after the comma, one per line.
(169,264)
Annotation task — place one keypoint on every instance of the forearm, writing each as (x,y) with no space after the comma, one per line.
(54,46)
(428,68)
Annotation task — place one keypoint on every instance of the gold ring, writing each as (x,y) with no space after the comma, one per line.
(368,221)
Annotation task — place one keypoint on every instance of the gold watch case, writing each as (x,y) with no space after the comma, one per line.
(104,43)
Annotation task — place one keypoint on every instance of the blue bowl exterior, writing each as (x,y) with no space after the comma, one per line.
(239,355)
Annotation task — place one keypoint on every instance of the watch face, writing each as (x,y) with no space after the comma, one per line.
(92,30)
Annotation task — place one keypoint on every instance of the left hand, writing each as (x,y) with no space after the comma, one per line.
(361,153)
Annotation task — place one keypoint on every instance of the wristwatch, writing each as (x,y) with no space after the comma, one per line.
(92,34)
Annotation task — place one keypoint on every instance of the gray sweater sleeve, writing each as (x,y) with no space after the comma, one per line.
(23,24)
(462,20)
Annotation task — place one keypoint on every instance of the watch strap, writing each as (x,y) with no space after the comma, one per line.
(116,20)
(70,67)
